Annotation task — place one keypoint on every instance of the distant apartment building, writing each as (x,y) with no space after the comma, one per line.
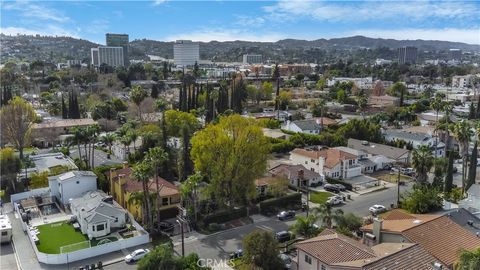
(462,81)
(119,40)
(407,55)
(75,62)
(362,83)
(252,59)
(186,52)
(455,54)
(293,69)
(112,56)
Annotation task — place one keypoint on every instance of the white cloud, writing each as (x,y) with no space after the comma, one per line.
(221,34)
(372,11)
(34,11)
(158,2)
(48,30)
(249,21)
(471,36)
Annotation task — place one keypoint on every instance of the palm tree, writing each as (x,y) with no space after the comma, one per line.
(436,105)
(422,161)
(305,226)
(463,133)
(469,260)
(324,212)
(108,139)
(362,103)
(156,157)
(137,198)
(189,190)
(78,138)
(126,141)
(142,173)
(133,135)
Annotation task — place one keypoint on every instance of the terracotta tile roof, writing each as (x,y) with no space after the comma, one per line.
(397,214)
(326,121)
(443,238)
(413,257)
(123,171)
(288,170)
(332,156)
(65,123)
(332,248)
(131,185)
(402,224)
(265,181)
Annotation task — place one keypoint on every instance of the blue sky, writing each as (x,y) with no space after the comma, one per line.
(245,20)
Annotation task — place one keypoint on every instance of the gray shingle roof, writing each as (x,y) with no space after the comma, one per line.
(378,149)
(309,124)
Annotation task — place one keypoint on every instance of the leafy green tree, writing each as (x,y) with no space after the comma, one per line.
(10,166)
(260,250)
(39,180)
(341,96)
(398,89)
(319,108)
(440,166)
(305,226)
(422,161)
(284,99)
(231,154)
(321,83)
(267,90)
(361,129)
(349,221)
(469,260)
(422,199)
(162,258)
(16,122)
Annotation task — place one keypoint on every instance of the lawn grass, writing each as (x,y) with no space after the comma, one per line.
(393,178)
(320,197)
(55,235)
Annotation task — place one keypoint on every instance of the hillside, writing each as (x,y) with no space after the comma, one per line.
(29,48)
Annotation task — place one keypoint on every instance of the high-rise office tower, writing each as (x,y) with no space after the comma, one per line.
(112,56)
(186,52)
(407,55)
(119,40)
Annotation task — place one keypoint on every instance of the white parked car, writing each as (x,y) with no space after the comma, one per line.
(136,255)
(334,200)
(377,209)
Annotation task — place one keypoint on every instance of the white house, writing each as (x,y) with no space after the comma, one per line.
(71,185)
(368,165)
(97,214)
(416,139)
(381,154)
(309,126)
(330,162)
(121,151)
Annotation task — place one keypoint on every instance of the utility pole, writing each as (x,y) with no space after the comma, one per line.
(180,222)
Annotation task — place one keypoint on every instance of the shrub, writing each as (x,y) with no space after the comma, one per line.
(225,215)
(213,227)
(290,201)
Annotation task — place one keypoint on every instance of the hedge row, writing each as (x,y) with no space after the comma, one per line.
(348,186)
(290,201)
(225,215)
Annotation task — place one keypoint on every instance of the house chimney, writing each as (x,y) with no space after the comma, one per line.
(377,229)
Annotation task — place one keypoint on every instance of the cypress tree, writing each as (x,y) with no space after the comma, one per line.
(449,177)
(472,113)
(472,172)
(64,109)
(70,105)
(478,108)
(154,93)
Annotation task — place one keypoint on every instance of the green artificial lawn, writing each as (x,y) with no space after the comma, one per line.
(320,197)
(55,235)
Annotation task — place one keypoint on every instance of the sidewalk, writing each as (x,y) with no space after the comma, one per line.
(383,186)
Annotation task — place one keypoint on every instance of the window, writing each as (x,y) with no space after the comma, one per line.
(308,259)
(116,219)
(4,233)
(164,201)
(78,182)
(312,160)
(101,227)
(306,162)
(323,267)
(93,228)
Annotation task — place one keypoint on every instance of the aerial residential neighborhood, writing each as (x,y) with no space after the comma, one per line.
(240,135)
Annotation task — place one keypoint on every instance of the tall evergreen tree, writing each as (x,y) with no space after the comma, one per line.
(472,173)
(154,93)
(478,108)
(472,113)
(449,177)
(64,109)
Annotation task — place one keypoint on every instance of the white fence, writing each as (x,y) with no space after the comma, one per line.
(90,252)
(28,194)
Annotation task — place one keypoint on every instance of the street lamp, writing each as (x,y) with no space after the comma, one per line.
(183,241)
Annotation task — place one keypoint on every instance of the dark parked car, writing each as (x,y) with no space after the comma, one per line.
(166,226)
(283,236)
(341,187)
(236,254)
(332,188)
(285,215)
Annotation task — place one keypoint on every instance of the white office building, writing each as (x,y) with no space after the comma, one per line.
(252,59)
(186,52)
(112,56)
